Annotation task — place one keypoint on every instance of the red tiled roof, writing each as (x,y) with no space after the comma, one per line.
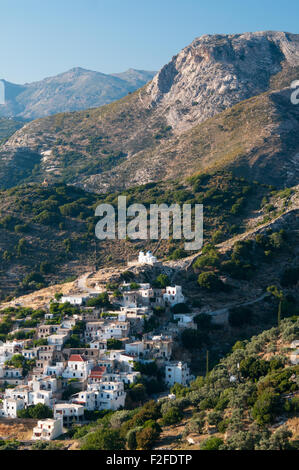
(97,371)
(76,358)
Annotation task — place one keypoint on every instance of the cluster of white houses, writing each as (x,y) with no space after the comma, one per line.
(97,373)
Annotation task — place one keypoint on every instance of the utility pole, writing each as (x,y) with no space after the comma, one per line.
(207,363)
(279,313)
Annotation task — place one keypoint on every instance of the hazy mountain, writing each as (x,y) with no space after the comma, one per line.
(8,126)
(223,101)
(70,91)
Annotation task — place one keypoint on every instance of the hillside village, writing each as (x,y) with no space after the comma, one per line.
(140,344)
(117,337)
(100,372)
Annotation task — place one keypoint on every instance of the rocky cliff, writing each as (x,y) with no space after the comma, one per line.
(223,101)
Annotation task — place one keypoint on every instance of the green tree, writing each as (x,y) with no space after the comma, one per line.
(213,443)
(210,281)
(104,439)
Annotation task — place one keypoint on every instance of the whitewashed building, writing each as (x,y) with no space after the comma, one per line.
(47,429)
(76,300)
(70,413)
(111,396)
(77,368)
(174,295)
(147,258)
(11,406)
(177,372)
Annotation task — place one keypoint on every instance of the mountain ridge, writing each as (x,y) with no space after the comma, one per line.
(236,86)
(73,90)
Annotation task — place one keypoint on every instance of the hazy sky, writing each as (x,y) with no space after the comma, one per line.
(40,38)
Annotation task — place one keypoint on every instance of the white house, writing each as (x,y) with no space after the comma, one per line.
(45,397)
(177,372)
(68,323)
(30,353)
(125,377)
(127,360)
(111,396)
(43,383)
(11,407)
(10,373)
(47,429)
(74,299)
(92,328)
(86,399)
(135,348)
(147,258)
(174,295)
(185,320)
(58,340)
(116,330)
(69,412)
(77,368)
(56,369)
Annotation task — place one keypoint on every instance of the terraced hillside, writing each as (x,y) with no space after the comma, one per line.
(49,230)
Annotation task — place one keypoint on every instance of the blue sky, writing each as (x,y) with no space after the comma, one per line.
(40,38)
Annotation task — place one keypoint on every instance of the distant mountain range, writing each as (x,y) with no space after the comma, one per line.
(73,90)
(223,102)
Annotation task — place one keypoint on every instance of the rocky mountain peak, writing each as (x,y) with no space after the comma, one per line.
(217,71)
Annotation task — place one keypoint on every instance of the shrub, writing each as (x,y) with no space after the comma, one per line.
(38,411)
(213,443)
(146,438)
(162,281)
(104,439)
(172,416)
(266,407)
(210,281)
(191,339)
(180,308)
(239,316)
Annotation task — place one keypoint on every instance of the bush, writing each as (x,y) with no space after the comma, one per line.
(191,339)
(239,316)
(266,407)
(180,308)
(290,277)
(104,439)
(213,443)
(38,411)
(172,416)
(131,438)
(203,321)
(114,344)
(162,281)
(102,300)
(210,281)
(254,368)
(178,253)
(214,418)
(146,438)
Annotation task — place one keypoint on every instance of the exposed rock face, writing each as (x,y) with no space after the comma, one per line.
(73,90)
(198,113)
(216,72)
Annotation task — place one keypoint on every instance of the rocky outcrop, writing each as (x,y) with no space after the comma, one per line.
(217,71)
